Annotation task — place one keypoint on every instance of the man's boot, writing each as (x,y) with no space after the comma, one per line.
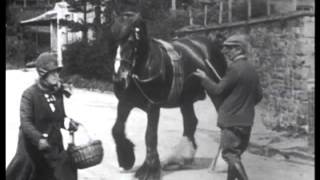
(232,173)
(241,173)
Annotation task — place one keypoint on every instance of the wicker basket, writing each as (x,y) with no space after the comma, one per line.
(87,155)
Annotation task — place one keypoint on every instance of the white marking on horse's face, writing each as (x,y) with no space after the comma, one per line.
(136,33)
(117,60)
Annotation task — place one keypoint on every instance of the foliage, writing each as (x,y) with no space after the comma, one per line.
(20,48)
(90,60)
(164,27)
(12,19)
(79,6)
(96,25)
(240,9)
(91,84)
(15,52)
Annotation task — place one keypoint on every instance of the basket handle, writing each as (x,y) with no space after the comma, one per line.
(71,133)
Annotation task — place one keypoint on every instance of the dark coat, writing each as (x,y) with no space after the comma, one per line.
(37,118)
(241,83)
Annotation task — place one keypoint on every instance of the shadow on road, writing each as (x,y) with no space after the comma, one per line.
(199,163)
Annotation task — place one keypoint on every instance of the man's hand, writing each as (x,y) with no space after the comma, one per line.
(43,144)
(200,73)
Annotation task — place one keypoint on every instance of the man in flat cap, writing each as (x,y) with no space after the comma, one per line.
(236,113)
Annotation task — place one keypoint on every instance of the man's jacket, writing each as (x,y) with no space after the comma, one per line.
(241,83)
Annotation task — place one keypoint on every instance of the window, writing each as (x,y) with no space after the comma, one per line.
(304,8)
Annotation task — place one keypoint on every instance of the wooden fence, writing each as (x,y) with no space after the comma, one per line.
(229,8)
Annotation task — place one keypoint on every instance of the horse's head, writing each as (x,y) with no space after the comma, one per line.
(130,32)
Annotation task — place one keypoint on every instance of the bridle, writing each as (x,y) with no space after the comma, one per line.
(131,63)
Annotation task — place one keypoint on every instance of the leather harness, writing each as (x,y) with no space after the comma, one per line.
(178,73)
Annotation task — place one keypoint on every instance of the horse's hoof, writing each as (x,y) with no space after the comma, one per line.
(147,172)
(125,154)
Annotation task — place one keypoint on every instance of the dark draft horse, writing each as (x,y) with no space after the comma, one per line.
(149,74)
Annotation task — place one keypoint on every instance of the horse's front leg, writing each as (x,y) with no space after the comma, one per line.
(150,170)
(124,146)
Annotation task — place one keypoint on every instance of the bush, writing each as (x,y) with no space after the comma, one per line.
(165,26)
(90,84)
(89,60)
(14,52)
(12,20)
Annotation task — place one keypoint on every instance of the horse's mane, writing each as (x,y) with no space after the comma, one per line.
(124,25)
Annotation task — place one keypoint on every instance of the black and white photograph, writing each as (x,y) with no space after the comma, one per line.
(160,89)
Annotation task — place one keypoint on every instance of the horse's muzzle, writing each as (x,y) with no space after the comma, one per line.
(120,80)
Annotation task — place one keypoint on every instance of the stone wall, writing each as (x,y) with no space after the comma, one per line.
(283,52)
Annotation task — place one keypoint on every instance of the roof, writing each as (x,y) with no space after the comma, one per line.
(43,19)
(50,16)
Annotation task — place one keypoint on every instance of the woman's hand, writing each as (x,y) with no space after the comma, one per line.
(73,125)
(67,89)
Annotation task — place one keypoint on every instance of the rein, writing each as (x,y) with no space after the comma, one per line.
(135,79)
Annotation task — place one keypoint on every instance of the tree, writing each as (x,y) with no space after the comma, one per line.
(97,25)
(240,9)
(80,6)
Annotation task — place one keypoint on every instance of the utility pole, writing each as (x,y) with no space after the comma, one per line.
(173,7)
(230,10)
(249,9)
(220,11)
(190,15)
(205,3)
(268,7)
(205,14)
(59,40)
(294,4)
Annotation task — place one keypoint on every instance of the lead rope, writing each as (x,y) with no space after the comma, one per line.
(134,78)
(212,69)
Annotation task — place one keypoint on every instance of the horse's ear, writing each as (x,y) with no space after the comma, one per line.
(137,16)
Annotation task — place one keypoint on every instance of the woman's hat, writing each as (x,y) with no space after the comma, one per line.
(47,62)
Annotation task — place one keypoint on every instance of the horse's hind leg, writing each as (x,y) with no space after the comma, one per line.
(184,152)
(190,122)
(124,146)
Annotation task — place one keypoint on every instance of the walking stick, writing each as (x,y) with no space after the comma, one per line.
(213,164)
